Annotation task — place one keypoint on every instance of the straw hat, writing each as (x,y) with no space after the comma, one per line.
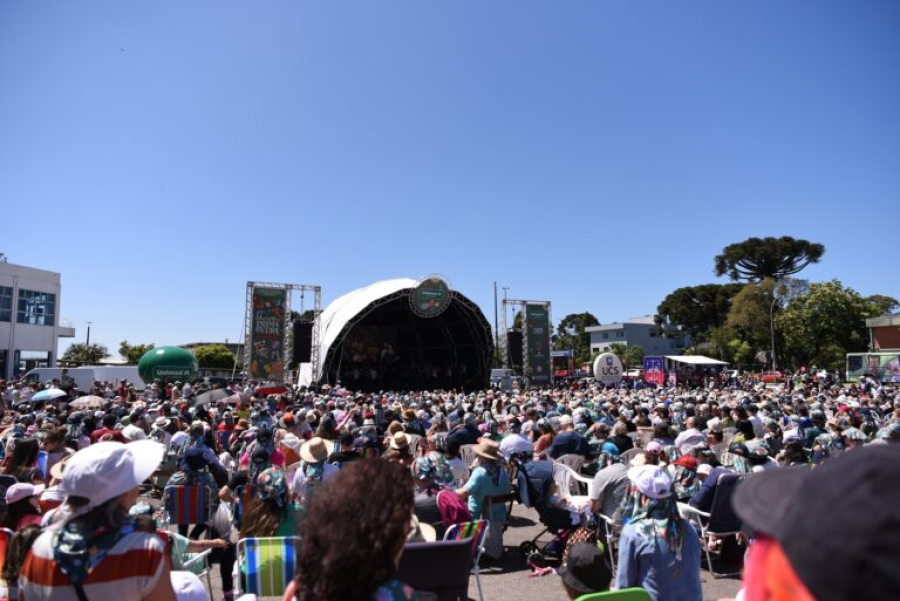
(488,449)
(399,441)
(420,532)
(314,451)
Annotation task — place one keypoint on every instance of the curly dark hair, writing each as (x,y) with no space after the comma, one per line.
(352,535)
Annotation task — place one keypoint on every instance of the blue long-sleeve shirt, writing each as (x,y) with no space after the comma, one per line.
(703,498)
(647,562)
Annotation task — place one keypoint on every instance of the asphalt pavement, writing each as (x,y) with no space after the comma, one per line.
(510,579)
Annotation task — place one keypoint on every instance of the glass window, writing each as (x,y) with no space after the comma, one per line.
(5,304)
(4,359)
(605,336)
(620,334)
(36,308)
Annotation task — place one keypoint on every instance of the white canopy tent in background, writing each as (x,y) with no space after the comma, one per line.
(695,360)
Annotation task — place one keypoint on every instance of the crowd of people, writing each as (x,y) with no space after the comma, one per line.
(356,475)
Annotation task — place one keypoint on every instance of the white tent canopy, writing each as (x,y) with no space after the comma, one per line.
(695,360)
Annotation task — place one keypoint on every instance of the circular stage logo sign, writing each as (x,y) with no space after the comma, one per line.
(430,297)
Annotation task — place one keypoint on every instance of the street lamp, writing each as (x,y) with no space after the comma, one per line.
(772,326)
(88,341)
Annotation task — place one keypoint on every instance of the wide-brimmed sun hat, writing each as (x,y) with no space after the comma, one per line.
(314,451)
(399,441)
(488,449)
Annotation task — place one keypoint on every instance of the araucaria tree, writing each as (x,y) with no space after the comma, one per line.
(755,259)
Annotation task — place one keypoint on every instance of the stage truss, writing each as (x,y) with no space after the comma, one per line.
(288,330)
(521,304)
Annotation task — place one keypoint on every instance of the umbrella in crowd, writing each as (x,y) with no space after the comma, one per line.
(88,402)
(212,396)
(237,398)
(48,395)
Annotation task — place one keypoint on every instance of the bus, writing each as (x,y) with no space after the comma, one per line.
(882,366)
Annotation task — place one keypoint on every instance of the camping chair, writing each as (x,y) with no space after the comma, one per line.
(266,565)
(721,521)
(625,594)
(5,536)
(42,463)
(573,461)
(187,505)
(442,567)
(242,497)
(630,454)
(199,564)
(475,532)
(467,453)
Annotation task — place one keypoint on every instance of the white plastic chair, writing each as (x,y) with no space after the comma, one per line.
(628,455)
(467,453)
(573,461)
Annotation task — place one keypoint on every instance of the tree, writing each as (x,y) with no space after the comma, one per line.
(698,309)
(620,350)
(571,334)
(822,325)
(634,357)
(879,304)
(215,356)
(755,259)
(84,354)
(132,353)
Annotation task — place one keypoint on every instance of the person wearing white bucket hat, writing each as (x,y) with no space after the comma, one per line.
(658,550)
(93,551)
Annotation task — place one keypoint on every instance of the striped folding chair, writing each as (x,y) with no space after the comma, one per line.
(243,496)
(186,505)
(267,565)
(5,535)
(477,531)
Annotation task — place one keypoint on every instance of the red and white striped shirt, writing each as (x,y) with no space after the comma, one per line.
(129,572)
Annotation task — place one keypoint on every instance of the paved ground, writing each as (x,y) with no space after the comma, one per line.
(509,579)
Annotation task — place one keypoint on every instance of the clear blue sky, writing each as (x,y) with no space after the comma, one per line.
(593,153)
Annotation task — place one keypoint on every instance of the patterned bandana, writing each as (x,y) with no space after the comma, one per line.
(271,486)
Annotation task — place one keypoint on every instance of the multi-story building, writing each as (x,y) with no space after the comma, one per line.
(30,327)
(640,331)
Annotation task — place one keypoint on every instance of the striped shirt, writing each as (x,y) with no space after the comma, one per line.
(129,572)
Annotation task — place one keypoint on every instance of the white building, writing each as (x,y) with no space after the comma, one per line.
(640,331)
(30,326)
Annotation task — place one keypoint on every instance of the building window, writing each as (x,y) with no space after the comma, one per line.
(4,360)
(620,334)
(36,308)
(605,336)
(5,304)
(652,332)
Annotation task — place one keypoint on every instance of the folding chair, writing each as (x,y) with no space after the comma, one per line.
(721,521)
(477,531)
(441,568)
(5,535)
(266,565)
(199,564)
(42,463)
(243,496)
(626,594)
(187,505)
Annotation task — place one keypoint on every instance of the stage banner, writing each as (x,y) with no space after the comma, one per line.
(268,334)
(654,371)
(537,327)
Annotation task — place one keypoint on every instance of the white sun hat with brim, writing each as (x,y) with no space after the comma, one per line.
(106,470)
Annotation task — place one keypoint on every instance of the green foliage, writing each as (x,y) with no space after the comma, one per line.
(879,304)
(751,313)
(132,353)
(571,335)
(741,353)
(84,354)
(634,357)
(755,259)
(698,309)
(619,349)
(821,326)
(518,321)
(215,356)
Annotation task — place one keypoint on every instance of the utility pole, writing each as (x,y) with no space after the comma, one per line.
(88,342)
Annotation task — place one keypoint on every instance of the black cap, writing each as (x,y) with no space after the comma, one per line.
(586,569)
(837,523)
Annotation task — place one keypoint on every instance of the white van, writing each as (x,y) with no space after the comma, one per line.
(86,376)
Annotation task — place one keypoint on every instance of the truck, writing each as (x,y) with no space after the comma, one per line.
(85,376)
(881,366)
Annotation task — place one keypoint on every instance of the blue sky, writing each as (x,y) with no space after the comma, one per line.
(596,154)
